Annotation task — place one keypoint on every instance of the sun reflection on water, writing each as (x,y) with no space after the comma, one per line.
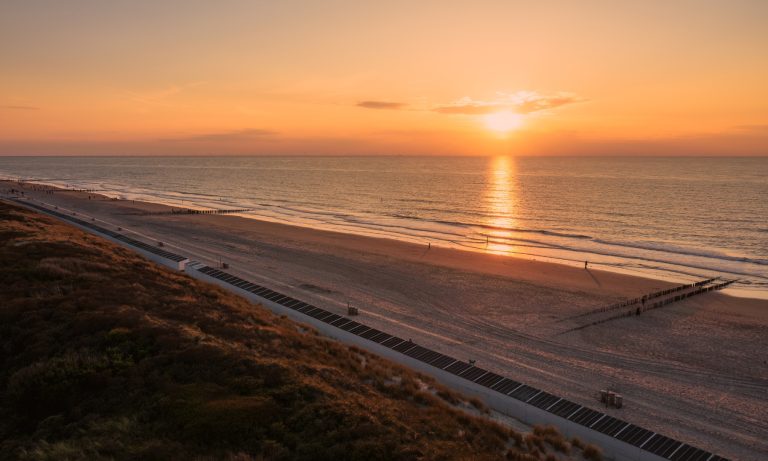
(500,204)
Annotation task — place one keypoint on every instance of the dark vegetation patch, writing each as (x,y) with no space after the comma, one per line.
(104,355)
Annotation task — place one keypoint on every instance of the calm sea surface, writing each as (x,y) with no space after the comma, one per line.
(676,218)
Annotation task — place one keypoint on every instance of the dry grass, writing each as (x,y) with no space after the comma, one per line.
(593,453)
(553,438)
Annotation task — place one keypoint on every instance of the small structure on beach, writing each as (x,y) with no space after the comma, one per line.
(183,264)
(611,399)
(351,310)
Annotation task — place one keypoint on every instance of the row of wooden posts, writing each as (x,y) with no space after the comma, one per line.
(191,211)
(656,305)
(644,298)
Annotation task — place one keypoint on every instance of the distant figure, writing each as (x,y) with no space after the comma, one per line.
(429,245)
(585,264)
(637,312)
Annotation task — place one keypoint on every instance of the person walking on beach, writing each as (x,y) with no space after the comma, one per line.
(585,264)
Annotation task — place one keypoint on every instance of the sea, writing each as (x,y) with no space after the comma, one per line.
(672,218)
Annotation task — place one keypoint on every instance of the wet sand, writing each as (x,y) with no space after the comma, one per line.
(695,370)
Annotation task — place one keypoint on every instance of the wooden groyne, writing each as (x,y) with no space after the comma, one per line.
(658,304)
(642,299)
(189,211)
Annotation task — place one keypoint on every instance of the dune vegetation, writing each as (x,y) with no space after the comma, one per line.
(104,355)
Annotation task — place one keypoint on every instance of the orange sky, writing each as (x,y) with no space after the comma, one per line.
(396,77)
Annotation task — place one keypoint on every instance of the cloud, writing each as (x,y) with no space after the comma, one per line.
(226,136)
(467,108)
(381,105)
(752,128)
(160,97)
(19,107)
(522,102)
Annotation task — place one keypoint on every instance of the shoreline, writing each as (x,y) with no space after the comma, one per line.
(410,250)
(508,313)
(558,256)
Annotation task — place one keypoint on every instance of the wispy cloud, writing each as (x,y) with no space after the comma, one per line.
(159,97)
(752,128)
(381,105)
(522,102)
(12,107)
(226,136)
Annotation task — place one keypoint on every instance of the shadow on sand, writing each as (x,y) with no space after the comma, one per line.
(593,277)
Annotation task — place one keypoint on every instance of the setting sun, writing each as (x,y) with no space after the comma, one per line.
(503,122)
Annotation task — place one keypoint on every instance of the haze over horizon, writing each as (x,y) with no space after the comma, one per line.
(352,78)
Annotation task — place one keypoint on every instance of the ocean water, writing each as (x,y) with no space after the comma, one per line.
(672,218)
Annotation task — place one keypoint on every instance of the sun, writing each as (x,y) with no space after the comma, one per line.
(503,122)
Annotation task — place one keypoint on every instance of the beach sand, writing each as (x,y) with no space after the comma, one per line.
(695,370)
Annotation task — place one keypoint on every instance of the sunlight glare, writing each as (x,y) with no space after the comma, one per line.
(503,122)
(501,198)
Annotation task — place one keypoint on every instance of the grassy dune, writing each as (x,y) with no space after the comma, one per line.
(104,355)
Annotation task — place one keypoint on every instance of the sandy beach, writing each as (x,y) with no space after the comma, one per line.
(695,370)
